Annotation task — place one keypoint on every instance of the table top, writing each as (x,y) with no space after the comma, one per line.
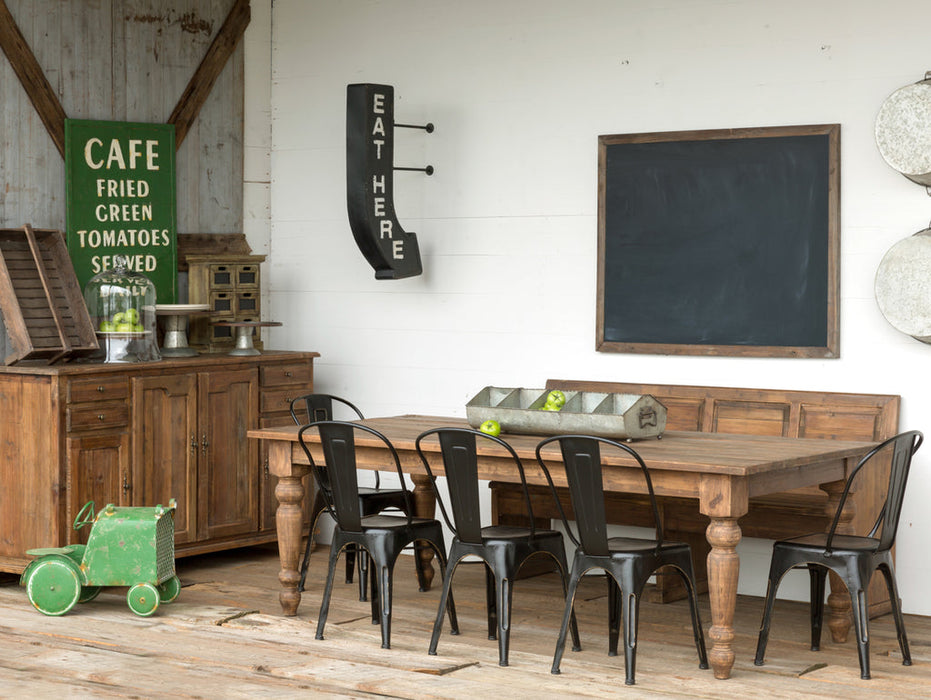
(679,451)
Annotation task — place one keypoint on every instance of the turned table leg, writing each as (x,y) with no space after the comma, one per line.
(839,605)
(723,568)
(425,507)
(289,522)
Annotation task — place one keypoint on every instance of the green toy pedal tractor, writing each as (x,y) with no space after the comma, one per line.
(128,546)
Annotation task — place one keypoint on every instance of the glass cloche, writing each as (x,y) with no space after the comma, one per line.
(121,303)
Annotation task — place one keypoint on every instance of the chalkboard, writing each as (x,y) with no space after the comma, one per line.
(721,242)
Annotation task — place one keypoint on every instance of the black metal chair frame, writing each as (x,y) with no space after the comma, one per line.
(382,536)
(853,558)
(318,407)
(502,548)
(628,562)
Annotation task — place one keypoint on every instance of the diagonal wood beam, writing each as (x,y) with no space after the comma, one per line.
(30,74)
(197,90)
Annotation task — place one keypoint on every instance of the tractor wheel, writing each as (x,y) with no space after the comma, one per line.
(54,586)
(143,599)
(88,593)
(169,590)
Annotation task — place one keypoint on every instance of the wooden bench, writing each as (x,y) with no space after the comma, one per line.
(747,411)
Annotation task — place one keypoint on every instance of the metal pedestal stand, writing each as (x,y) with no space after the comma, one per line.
(244,330)
(176,315)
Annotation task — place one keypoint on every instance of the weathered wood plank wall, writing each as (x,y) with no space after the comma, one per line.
(122,60)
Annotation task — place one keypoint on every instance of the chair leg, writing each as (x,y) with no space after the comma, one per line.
(889,575)
(505,598)
(697,631)
(419,566)
(319,505)
(573,623)
(768,605)
(630,612)
(817,576)
(442,609)
(385,586)
(327,590)
(305,562)
(373,581)
(491,602)
(362,558)
(567,615)
(861,618)
(614,614)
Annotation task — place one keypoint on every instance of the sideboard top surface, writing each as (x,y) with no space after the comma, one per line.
(166,364)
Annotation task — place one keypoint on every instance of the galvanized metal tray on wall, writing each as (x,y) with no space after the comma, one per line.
(520,410)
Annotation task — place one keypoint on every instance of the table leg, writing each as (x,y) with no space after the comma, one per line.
(839,605)
(723,567)
(425,507)
(289,522)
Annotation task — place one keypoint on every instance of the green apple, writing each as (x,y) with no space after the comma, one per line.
(138,328)
(119,317)
(490,427)
(107,326)
(550,407)
(124,327)
(557,398)
(132,316)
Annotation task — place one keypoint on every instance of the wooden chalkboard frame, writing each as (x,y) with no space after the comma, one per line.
(821,233)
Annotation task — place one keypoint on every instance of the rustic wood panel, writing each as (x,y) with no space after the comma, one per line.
(125,60)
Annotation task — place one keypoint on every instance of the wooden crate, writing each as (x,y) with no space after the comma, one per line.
(40,299)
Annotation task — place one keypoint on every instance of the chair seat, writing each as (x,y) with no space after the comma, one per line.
(383,521)
(840,543)
(634,544)
(492,533)
(372,491)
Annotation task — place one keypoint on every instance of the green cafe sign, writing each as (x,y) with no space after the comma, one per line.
(120,180)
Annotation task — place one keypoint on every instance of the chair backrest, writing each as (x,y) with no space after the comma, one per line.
(581,455)
(310,408)
(902,447)
(316,407)
(339,452)
(459,450)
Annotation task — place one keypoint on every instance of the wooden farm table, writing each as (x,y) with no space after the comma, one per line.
(722,471)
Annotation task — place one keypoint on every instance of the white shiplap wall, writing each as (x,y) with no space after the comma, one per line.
(519,91)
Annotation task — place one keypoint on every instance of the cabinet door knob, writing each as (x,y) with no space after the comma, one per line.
(193,444)
(100,389)
(204,444)
(100,416)
(288,374)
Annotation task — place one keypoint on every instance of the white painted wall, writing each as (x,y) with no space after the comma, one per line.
(519,91)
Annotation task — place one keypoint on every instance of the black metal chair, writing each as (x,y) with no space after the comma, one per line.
(628,562)
(854,558)
(319,407)
(502,548)
(382,536)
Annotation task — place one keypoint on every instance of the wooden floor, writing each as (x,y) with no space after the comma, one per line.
(225,638)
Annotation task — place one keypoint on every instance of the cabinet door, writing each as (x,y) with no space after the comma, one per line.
(229,469)
(99,472)
(166,446)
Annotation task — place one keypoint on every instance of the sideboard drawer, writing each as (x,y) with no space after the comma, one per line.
(94,416)
(279,400)
(297,374)
(98,389)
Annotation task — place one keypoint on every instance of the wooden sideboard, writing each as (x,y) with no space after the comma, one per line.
(839,416)
(140,434)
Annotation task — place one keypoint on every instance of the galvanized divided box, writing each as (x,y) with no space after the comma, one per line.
(619,416)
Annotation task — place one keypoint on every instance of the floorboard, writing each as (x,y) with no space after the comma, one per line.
(225,638)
